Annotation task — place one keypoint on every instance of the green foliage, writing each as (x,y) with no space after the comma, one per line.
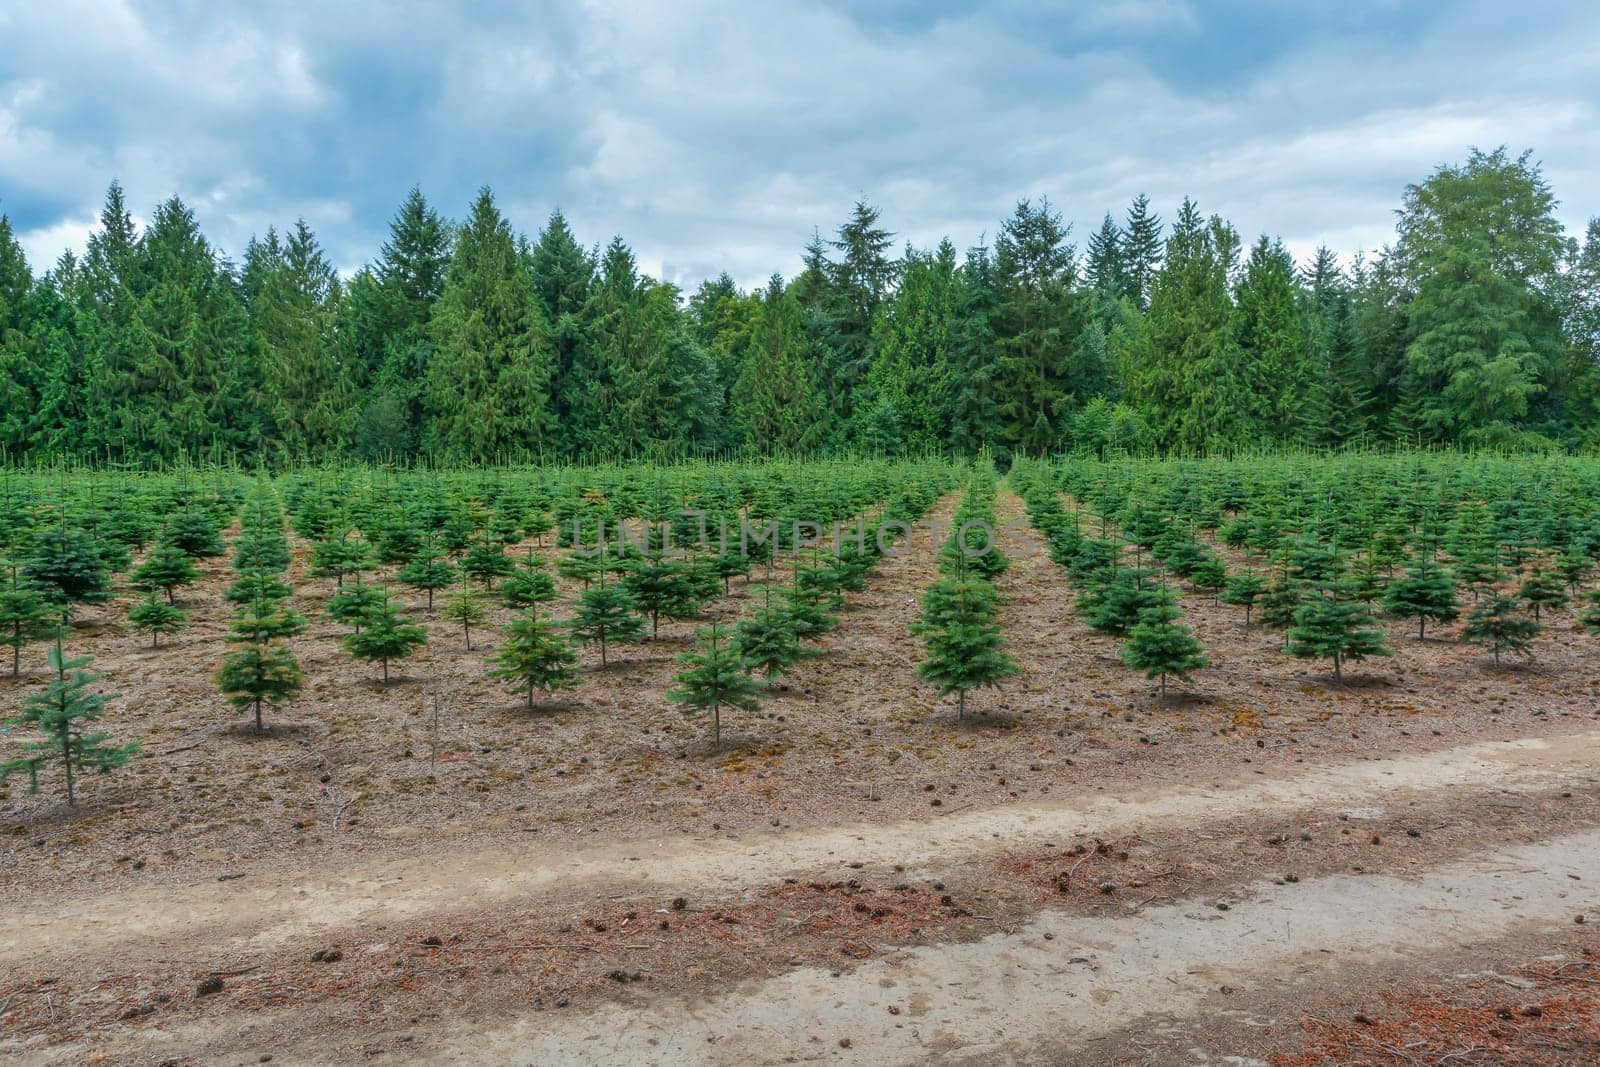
(1498,623)
(427,571)
(1427,593)
(535,655)
(715,676)
(466,608)
(257,673)
(66,568)
(165,568)
(155,618)
(1337,630)
(1541,592)
(1244,590)
(963,646)
(62,712)
(1160,645)
(25,614)
(384,637)
(195,533)
(606,614)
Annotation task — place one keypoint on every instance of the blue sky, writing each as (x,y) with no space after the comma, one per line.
(717,135)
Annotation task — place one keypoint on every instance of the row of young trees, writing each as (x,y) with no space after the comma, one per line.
(1480,326)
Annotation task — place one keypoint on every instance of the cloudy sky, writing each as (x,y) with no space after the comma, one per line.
(716,135)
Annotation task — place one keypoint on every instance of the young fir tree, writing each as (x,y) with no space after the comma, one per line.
(1243,590)
(1498,622)
(716,676)
(66,569)
(194,532)
(155,618)
(1589,617)
(1160,645)
(1427,592)
(62,712)
(607,613)
(165,568)
(1542,592)
(535,655)
(385,637)
(25,615)
(769,641)
(428,571)
(467,608)
(485,561)
(351,605)
(661,586)
(530,586)
(259,672)
(1210,575)
(1325,628)
(963,644)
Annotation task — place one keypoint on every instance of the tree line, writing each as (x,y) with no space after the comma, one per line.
(1478,327)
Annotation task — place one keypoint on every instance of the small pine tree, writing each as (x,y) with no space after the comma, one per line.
(165,568)
(1160,645)
(606,613)
(353,604)
(428,571)
(769,641)
(61,712)
(530,586)
(336,559)
(1498,622)
(257,587)
(194,532)
(1325,628)
(716,676)
(467,608)
(155,618)
(25,615)
(1589,617)
(535,655)
(1243,590)
(1427,592)
(963,645)
(661,586)
(385,637)
(486,560)
(1540,591)
(258,672)
(64,566)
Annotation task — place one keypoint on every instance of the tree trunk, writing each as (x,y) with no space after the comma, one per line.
(259,727)
(1336,675)
(961,704)
(171,603)
(716,724)
(66,760)
(602,649)
(1422,626)
(385,672)
(1163,687)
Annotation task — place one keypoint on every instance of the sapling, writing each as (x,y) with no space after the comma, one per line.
(716,677)
(156,618)
(62,712)
(535,655)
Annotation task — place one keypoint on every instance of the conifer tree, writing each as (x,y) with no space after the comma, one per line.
(716,676)
(166,568)
(352,606)
(1160,645)
(257,673)
(535,655)
(1427,592)
(385,637)
(530,585)
(1540,591)
(428,571)
(1498,623)
(963,645)
(155,618)
(1326,628)
(660,585)
(769,641)
(607,613)
(194,532)
(467,608)
(486,560)
(66,569)
(62,712)
(1243,590)
(255,587)
(1140,251)
(25,614)
(1589,617)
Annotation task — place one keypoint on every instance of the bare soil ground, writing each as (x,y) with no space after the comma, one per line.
(491,882)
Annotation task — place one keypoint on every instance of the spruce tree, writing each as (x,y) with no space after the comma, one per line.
(530,585)
(25,614)
(607,613)
(769,641)
(660,586)
(1540,591)
(1243,590)
(352,606)
(252,587)
(1427,592)
(1325,628)
(716,676)
(1160,645)
(155,618)
(166,568)
(963,645)
(486,560)
(66,569)
(384,637)
(194,532)
(258,672)
(427,571)
(467,608)
(1498,623)
(535,655)
(62,713)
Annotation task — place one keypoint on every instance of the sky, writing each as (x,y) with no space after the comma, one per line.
(718,136)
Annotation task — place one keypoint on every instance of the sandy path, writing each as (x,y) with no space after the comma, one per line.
(268,908)
(1060,981)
